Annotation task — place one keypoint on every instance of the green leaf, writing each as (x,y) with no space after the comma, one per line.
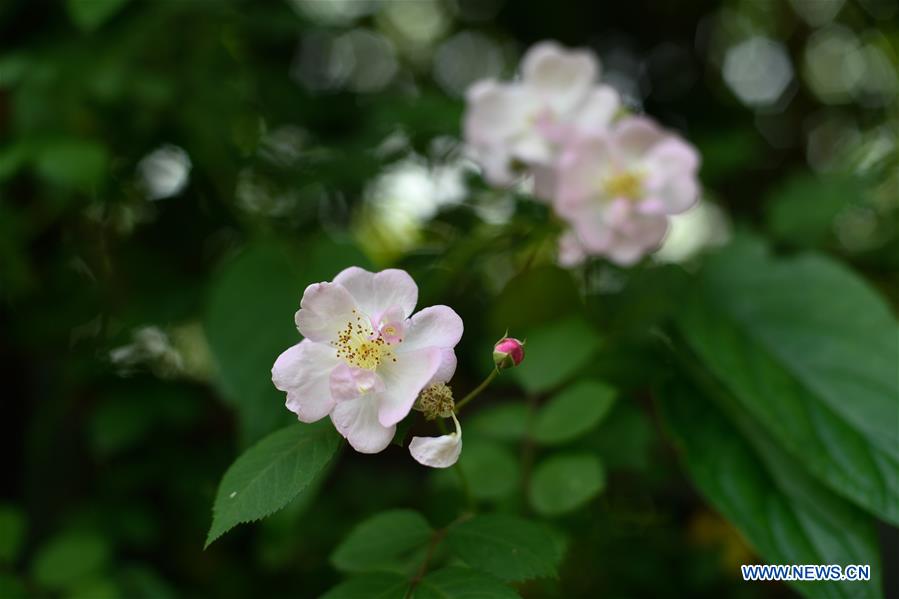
(803,210)
(573,412)
(810,353)
(383,542)
(506,421)
(564,483)
(69,559)
(249,321)
(461,583)
(506,546)
(555,352)
(91,14)
(12,588)
(73,163)
(787,515)
(12,531)
(271,473)
(378,585)
(491,469)
(550,291)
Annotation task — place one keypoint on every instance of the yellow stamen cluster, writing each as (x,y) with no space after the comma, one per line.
(356,346)
(436,400)
(627,184)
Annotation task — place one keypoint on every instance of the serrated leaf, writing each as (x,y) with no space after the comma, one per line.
(383,542)
(272,473)
(810,353)
(506,421)
(249,322)
(461,583)
(377,585)
(566,482)
(787,515)
(573,412)
(555,352)
(509,547)
(490,468)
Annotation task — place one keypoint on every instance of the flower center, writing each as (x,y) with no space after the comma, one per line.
(626,184)
(358,346)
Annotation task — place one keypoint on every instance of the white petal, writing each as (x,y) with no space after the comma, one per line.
(582,167)
(598,109)
(447,368)
(561,77)
(438,452)
(357,420)
(496,113)
(325,309)
(635,136)
(303,371)
(404,380)
(435,326)
(375,293)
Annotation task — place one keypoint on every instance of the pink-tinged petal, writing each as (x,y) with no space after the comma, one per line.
(561,77)
(325,309)
(376,293)
(674,155)
(581,170)
(496,112)
(598,110)
(447,368)
(438,452)
(348,382)
(403,381)
(435,326)
(544,182)
(303,371)
(357,420)
(571,251)
(634,136)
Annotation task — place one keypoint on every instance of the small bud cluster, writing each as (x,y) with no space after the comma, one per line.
(436,400)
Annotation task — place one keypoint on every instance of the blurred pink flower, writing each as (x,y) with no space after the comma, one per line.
(616,188)
(527,121)
(365,357)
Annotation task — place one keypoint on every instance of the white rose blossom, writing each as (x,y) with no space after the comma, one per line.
(365,356)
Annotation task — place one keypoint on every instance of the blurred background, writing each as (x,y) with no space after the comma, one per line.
(173,173)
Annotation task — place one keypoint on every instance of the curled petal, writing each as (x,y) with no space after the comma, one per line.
(325,309)
(438,452)
(376,293)
(357,421)
(447,368)
(303,371)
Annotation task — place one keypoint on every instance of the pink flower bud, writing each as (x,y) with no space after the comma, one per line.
(508,352)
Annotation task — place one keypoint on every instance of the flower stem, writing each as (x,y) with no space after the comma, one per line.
(477,390)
